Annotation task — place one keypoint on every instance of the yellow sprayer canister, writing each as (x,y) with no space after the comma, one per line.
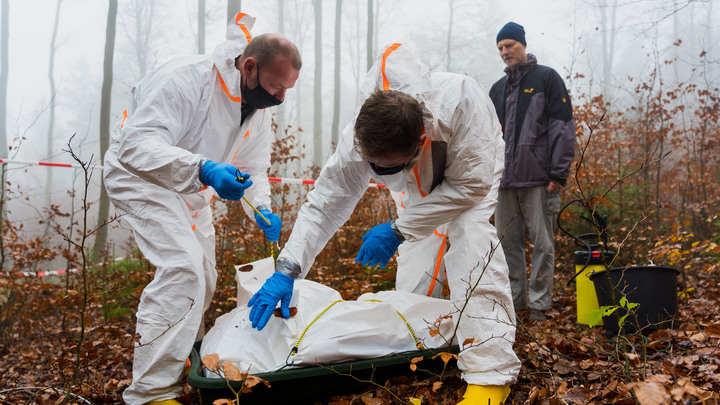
(585,288)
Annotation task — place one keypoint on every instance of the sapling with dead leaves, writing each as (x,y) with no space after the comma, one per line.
(87,169)
(472,284)
(590,203)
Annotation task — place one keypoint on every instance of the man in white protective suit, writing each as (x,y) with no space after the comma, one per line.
(196,122)
(435,141)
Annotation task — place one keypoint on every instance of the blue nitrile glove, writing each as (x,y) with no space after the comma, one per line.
(379,246)
(272,231)
(226,179)
(279,287)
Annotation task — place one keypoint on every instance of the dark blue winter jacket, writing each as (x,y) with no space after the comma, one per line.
(534,109)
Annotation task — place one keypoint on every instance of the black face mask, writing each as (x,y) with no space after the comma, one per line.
(386,171)
(259,97)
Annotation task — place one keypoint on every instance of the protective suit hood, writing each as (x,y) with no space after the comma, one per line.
(237,37)
(397,68)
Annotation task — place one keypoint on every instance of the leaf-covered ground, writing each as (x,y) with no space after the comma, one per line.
(563,362)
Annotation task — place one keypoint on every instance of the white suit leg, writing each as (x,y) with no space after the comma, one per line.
(205,233)
(421,265)
(171,306)
(478,275)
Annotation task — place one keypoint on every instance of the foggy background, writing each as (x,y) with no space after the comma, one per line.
(600,47)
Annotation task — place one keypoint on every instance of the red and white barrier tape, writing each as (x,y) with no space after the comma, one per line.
(282,180)
(57,272)
(32,163)
(44,273)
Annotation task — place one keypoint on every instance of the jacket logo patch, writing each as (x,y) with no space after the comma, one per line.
(530,90)
(564,101)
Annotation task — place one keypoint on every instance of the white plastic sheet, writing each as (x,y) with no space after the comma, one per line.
(375,325)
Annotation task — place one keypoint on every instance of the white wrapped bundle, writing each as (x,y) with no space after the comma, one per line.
(332,330)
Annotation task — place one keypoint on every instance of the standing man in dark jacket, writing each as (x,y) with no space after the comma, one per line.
(534,110)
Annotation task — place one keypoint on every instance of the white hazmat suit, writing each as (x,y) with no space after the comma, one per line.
(184,113)
(449,189)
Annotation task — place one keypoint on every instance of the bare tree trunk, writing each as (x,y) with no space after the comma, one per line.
(608,45)
(142,41)
(51,119)
(449,37)
(336,97)
(201,27)
(370,20)
(4,36)
(280,110)
(233,7)
(707,72)
(318,104)
(299,32)
(104,204)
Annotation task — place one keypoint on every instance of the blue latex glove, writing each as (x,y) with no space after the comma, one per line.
(278,287)
(379,246)
(226,179)
(272,231)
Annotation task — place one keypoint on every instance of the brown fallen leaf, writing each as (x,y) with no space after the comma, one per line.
(532,397)
(685,386)
(578,394)
(649,392)
(368,399)
(278,312)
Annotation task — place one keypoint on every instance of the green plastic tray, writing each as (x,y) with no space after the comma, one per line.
(313,383)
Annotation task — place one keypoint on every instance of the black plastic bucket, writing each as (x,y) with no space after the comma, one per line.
(654,288)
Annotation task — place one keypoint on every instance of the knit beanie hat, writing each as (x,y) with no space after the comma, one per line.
(512,30)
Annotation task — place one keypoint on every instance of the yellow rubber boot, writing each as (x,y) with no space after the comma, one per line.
(165,402)
(485,394)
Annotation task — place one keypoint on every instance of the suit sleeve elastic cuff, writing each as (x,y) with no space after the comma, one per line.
(288,268)
(200,169)
(398,234)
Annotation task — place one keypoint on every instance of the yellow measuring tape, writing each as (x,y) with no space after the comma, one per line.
(272,244)
(302,335)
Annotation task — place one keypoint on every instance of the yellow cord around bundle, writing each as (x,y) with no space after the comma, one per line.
(302,335)
(418,344)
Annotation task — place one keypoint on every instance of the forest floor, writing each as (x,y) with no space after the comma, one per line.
(563,362)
